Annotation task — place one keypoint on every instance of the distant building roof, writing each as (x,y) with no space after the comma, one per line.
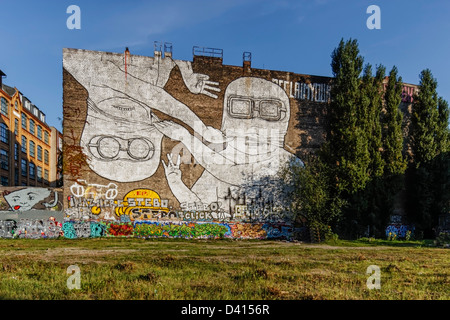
(9,90)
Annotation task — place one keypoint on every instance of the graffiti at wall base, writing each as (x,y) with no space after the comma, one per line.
(30,229)
(399,231)
(50,228)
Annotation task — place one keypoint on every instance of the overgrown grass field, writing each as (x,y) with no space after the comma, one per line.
(114,268)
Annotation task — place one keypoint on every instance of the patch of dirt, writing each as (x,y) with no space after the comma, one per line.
(54,253)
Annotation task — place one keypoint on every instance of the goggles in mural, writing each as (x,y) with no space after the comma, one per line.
(114,148)
(249,108)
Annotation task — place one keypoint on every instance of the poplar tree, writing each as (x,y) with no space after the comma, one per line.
(367,204)
(425,120)
(346,150)
(395,162)
(443,131)
(373,95)
(441,164)
(429,184)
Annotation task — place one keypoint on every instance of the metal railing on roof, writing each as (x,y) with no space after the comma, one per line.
(207,52)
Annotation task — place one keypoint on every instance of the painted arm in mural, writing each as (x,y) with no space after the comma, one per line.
(214,162)
(176,185)
(155,97)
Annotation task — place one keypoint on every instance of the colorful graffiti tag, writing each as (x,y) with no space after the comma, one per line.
(30,229)
(398,231)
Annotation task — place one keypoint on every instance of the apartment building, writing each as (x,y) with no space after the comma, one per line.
(29,147)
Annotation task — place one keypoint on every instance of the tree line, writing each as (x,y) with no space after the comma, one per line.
(370,167)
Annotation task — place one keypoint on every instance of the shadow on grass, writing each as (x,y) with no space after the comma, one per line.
(368,242)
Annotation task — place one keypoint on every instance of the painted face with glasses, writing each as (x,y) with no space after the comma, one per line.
(255,116)
(120,139)
(241,107)
(110,148)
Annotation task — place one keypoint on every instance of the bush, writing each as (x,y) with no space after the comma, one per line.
(443,238)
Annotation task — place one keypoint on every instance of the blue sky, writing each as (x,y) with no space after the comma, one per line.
(289,35)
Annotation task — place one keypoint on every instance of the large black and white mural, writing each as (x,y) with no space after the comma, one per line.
(205,142)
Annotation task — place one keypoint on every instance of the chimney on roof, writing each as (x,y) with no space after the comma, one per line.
(247,61)
(157,51)
(167,49)
(2,74)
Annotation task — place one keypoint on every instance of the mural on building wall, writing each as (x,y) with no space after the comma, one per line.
(227,136)
(29,198)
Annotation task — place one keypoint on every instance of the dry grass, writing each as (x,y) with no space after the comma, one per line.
(222,269)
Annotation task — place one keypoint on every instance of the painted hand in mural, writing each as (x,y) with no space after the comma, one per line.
(176,185)
(199,84)
(173,172)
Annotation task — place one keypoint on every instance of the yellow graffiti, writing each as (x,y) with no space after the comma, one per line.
(96,210)
(142,200)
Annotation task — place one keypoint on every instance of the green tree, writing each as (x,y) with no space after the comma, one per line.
(308,192)
(367,204)
(428,177)
(425,120)
(346,150)
(443,131)
(395,162)
(392,183)
(371,107)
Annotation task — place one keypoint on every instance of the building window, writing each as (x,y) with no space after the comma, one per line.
(24,144)
(39,132)
(24,167)
(39,153)
(32,148)
(4,133)
(16,126)
(31,126)
(46,137)
(16,105)
(4,159)
(45,175)
(24,121)
(16,176)
(39,174)
(5,181)
(46,156)
(16,151)
(4,108)
(32,171)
